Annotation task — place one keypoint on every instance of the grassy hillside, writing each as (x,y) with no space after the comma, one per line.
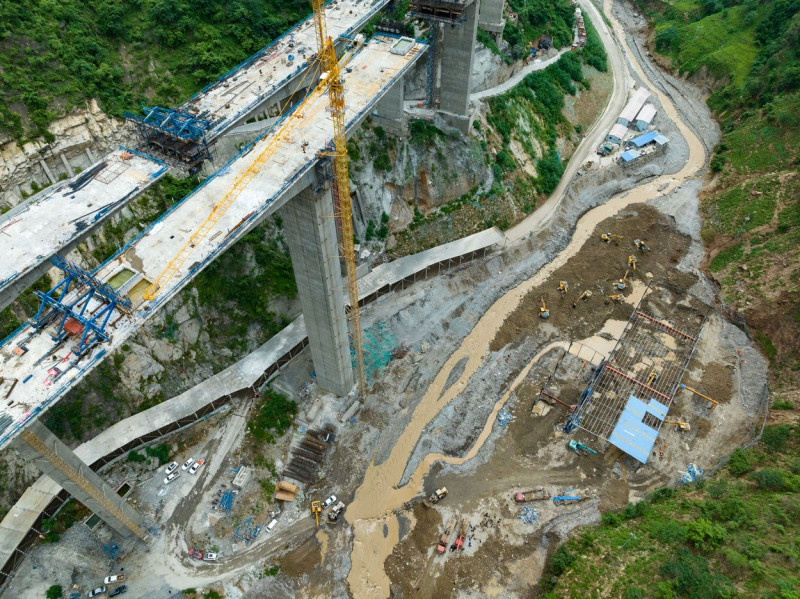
(736,534)
(749,51)
(57,53)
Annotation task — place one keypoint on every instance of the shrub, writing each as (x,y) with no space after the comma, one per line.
(275,414)
(775,479)
(668,532)
(776,436)
(705,535)
(135,456)
(54,592)
(161,452)
(739,462)
(562,560)
(690,577)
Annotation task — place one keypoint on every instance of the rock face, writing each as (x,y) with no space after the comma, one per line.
(82,136)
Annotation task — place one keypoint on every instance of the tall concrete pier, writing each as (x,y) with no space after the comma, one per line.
(60,463)
(458,43)
(491,18)
(311,235)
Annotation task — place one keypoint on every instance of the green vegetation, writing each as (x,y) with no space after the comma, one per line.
(54,592)
(59,53)
(752,216)
(736,534)
(535,20)
(69,514)
(161,452)
(275,414)
(24,307)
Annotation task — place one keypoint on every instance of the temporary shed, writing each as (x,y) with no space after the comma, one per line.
(637,427)
(633,106)
(629,156)
(645,117)
(646,139)
(617,133)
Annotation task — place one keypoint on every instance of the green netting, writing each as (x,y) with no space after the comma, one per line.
(379,343)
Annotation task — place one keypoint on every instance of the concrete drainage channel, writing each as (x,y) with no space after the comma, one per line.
(21,527)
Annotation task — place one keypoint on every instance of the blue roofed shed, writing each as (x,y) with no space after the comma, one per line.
(647,138)
(631,434)
(629,155)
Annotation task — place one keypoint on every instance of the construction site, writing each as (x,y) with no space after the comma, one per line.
(460,410)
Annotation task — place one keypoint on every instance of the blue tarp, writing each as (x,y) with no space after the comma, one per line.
(631,434)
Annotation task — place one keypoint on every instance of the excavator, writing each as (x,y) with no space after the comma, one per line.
(621,283)
(706,397)
(544,314)
(632,262)
(617,297)
(640,245)
(585,295)
(316,509)
(607,237)
(563,287)
(684,426)
(653,377)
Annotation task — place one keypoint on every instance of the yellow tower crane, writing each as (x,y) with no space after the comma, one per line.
(332,74)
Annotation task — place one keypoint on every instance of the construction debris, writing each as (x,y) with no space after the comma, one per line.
(503,417)
(692,473)
(529,515)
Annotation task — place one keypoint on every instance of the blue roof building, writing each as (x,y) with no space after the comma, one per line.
(631,434)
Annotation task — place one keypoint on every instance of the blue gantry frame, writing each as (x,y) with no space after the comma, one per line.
(88,287)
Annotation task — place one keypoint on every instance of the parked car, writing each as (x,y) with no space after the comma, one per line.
(97,591)
(329,501)
(195,554)
(187,464)
(272,525)
(114,579)
(210,557)
(196,467)
(171,468)
(118,591)
(171,477)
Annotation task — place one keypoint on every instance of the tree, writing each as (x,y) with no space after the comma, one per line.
(54,592)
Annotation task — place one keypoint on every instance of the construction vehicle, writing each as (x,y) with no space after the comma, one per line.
(333,515)
(621,282)
(639,245)
(580,448)
(316,509)
(607,237)
(567,497)
(537,494)
(444,540)
(585,295)
(706,397)
(435,497)
(684,426)
(544,314)
(563,287)
(462,534)
(654,374)
(617,297)
(632,262)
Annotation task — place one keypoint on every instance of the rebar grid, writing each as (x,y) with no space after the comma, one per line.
(648,360)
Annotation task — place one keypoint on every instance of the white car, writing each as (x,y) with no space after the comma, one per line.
(171,468)
(210,557)
(187,463)
(329,501)
(196,467)
(171,477)
(114,579)
(97,591)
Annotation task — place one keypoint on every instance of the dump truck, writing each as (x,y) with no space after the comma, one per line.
(537,494)
(442,546)
(437,495)
(333,514)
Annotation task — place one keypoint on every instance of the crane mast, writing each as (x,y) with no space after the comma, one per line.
(341,188)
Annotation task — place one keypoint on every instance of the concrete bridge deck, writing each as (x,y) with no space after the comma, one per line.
(371,72)
(60,217)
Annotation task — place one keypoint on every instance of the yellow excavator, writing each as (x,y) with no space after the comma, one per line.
(607,237)
(544,314)
(617,297)
(563,287)
(621,282)
(585,295)
(632,262)
(684,426)
(654,374)
(714,402)
(316,509)
(639,245)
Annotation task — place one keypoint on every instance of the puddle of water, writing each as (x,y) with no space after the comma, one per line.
(323,545)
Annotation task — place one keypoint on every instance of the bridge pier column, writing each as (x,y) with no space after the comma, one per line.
(458,42)
(60,463)
(491,18)
(310,231)
(389,112)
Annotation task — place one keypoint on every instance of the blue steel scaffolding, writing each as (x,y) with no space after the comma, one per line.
(81,304)
(175,134)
